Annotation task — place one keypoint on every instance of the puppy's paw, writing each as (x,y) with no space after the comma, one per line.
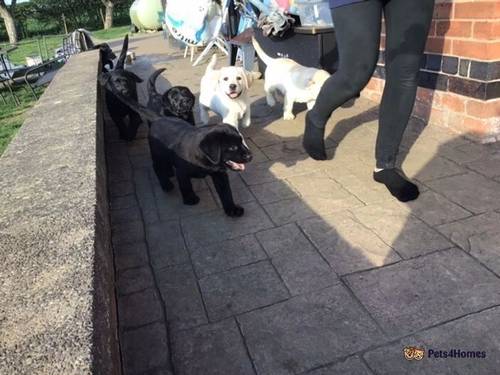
(166,185)
(191,200)
(246,122)
(271,102)
(235,211)
(288,116)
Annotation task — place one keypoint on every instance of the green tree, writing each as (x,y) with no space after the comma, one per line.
(7,13)
(81,13)
(25,19)
(109,6)
(77,13)
(108,18)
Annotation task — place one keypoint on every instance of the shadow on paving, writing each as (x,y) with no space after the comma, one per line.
(325,273)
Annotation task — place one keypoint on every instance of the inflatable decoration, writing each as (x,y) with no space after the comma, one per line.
(190,20)
(146,14)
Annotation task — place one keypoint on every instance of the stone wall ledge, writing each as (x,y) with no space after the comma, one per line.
(57,309)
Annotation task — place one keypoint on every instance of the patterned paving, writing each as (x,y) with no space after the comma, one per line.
(325,273)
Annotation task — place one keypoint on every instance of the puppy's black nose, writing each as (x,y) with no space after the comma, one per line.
(232,86)
(248,157)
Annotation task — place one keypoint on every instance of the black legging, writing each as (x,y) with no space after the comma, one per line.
(357,28)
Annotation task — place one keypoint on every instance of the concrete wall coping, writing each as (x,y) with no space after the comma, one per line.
(57,308)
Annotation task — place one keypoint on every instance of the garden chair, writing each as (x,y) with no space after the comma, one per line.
(1,93)
(74,43)
(28,77)
(10,74)
(5,84)
(9,69)
(44,72)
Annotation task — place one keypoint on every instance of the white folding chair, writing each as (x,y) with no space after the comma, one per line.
(216,20)
(193,22)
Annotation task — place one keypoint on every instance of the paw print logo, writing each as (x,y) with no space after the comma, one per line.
(413,353)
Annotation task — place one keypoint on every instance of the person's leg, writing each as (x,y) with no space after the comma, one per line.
(407,24)
(357,30)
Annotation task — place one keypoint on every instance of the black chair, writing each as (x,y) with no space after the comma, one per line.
(6,76)
(72,44)
(5,84)
(12,72)
(44,72)
(31,77)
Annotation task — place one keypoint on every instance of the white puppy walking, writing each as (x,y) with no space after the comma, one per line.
(297,83)
(224,91)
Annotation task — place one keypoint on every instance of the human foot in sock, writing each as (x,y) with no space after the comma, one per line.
(313,140)
(397,183)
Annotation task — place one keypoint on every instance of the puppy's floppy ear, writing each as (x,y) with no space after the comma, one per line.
(133,76)
(250,77)
(104,78)
(106,49)
(211,149)
(246,80)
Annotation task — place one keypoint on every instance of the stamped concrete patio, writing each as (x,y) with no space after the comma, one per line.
(325,273)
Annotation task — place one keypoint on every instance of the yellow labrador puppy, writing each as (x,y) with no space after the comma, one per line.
(297,83)
(224,91)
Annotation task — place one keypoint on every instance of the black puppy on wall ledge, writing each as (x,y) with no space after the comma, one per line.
(107,56)
(124,82)
(181,149)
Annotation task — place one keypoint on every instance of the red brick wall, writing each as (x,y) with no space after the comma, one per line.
(466,29)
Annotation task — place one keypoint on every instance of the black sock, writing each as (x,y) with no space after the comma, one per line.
(397,183)
(313,141)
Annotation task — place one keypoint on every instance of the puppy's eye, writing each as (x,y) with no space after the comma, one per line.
(238,78)
(233,148)
(225,78)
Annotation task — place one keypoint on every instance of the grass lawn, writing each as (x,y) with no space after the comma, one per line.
(113,33)
(34,47)
(45,46)
(12,117)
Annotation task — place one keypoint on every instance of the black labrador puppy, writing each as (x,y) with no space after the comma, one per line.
(177,101)
(125,83)
(180,149)
(197,153)
(107,56)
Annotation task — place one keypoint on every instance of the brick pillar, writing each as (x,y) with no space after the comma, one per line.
(459,85)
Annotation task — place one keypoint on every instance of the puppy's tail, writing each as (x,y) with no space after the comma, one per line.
(152,81)
(263,56)
(211,64)
(145,113)
(120,64)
